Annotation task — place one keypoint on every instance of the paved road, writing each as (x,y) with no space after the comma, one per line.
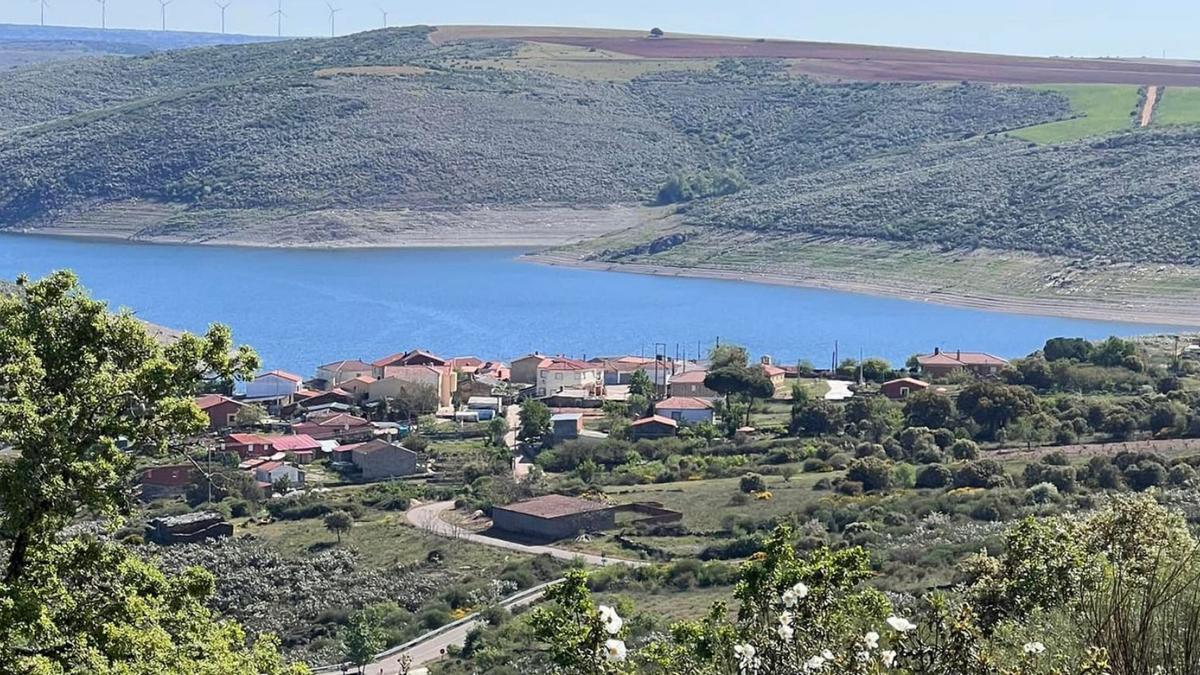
(839,390)
(428,517)
(433,645)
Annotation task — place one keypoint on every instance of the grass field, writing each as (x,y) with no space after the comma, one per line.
(1179,105)
(1103,109)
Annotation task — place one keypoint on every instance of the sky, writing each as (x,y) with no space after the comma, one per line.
(1033,27)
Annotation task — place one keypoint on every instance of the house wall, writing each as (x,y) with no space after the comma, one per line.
(695,390)
(221,416)
(443,381)
(553,381)
(334,378)
(652,430)
(525,370)
(295,476)
(687,416)
(267,386)
(386,462)
(552,528)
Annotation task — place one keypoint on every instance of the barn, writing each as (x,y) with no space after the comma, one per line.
(553,517)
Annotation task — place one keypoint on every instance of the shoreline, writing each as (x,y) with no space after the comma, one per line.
(1064,309)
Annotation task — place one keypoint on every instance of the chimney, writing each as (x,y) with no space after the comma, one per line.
(958,355)
(937,350)
(766,359)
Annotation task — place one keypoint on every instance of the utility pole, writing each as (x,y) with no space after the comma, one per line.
(103,13)
(223,6)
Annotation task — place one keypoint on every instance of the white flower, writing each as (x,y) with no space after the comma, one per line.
(614,650)
(785,632)
(748,660)
(611,620)
(1034,648)
(900,624)
(862,656)
(871,639)
(744,650)
(828,655)
(887,657)
(815,663)
(794,595)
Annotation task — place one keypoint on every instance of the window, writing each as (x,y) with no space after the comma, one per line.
(903,392)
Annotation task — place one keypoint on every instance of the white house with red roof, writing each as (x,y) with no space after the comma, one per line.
(558,373)
(686,409)
(275,384)
(268,474)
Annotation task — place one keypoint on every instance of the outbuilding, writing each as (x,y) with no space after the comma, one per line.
(553,517)
(655,426)
(899,389)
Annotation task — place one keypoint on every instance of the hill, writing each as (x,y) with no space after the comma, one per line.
(678,144)
(23,44)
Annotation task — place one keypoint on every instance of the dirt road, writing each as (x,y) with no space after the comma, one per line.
(1148,106)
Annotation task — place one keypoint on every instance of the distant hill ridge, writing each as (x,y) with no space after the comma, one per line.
(369,137)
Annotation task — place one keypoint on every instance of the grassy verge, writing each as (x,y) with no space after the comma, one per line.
(1179,105)
(1102,109)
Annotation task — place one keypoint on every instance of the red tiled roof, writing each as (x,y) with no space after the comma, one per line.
(246,439)
(466,362)
(906,380)
(655,419)
(554,506)
(375,446)
(365,379)
(959,358)
(343,419)
(772,371)
(348,364)
(683,403)
(213,400)
(295,443)
(563,363)
(403,358)
(268,466)
(398,372)
(690,377)
(284,374)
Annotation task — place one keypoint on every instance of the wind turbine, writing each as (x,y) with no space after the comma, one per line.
(162,6)
(103,13)
(223,6)
(278,14)
(384,12)
(43,4)
(332,15)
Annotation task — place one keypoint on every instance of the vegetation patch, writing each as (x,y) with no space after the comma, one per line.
(1099,109)
(1178,105)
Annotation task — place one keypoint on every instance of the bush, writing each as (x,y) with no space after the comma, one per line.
(752,482)
(852,488)
(934,476)
(1042,493)
(982,473)
(871,472)
(814,465)
(964,449)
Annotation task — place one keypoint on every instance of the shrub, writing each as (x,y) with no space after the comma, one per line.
(934,476)
(979,474)
(814,465)
(1042,493)
(872,473)
(752,482)
(852,488)
(964,449)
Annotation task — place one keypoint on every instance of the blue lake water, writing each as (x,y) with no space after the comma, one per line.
(301,308)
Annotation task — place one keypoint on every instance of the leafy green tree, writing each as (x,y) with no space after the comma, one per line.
(75,378)
(1058,349)
(873,472)
(723,356)
(497,429)
(363,639)
(994,405)
(752,482)
(874,417)
(928,408)
(641,385)
(535,422)
(1113,352)
(875,369)
(249,415)
(339,523)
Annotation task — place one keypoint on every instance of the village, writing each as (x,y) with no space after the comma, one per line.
(354,422)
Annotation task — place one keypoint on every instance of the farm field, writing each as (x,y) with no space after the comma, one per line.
(1179,105)
(1102,109)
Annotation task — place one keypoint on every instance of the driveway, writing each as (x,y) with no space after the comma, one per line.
(839,390)
(429,517)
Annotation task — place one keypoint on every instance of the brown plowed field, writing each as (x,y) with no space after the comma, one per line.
(858,62)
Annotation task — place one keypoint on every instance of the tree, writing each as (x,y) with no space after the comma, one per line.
(875,369)
(752,482)
(410,402)
(640,385)
(363,639)
(535,422)
(928,408)
(1057,349)
(497,429)
(874,417)
(75,378)
(994,405)
(873,472)
(339,522)
(721,356)
(1113,352)
(249,415)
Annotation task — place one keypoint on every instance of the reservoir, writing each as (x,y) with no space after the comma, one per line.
(302,308)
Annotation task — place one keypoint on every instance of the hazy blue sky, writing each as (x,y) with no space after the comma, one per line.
(1047,27)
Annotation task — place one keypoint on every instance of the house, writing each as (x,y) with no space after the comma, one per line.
(525,369)
(556,373)
(270,473)
(221,410)
(774,373)
(691,383)
(484,403)
(899,389)
(302,447)
(275,384)
(553,517)
(941,364)
(318,400)
(440,378)
(248,445)
(621,369)
(187,528)
(416,357)
(494,370)
(333,374)
(655,426)
(379,459)
(686,409)
(468,365)
(339,427)
(359,387)
(165,481)
(566,426)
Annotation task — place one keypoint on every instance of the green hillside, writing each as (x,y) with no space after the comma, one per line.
(1098,109)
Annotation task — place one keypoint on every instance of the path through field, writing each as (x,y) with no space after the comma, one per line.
(1148,106)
